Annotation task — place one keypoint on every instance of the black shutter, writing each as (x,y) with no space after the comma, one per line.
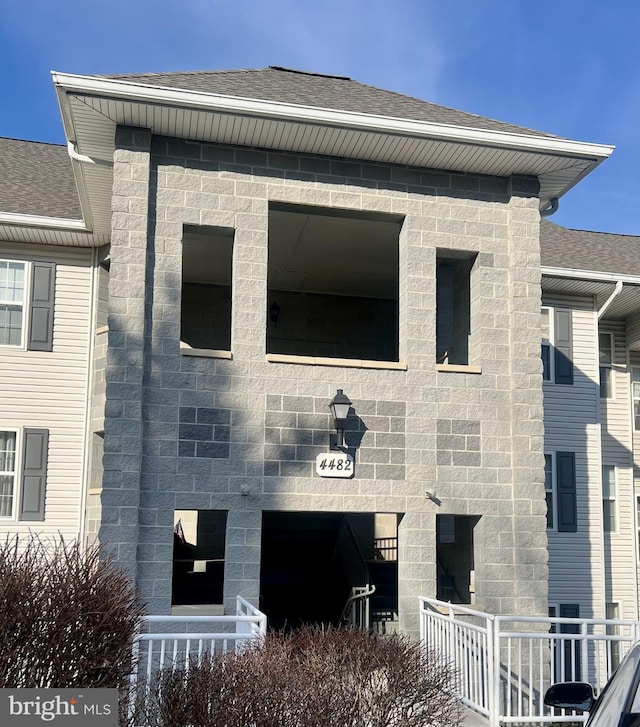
(566,486)
(34,474)
(41,307)
(563,346)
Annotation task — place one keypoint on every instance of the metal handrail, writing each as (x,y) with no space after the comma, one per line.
(358,593)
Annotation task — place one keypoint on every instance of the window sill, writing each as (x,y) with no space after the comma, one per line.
(354,363)
(186,350)
(6,347)
(458,369)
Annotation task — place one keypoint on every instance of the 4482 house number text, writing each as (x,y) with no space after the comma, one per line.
(334,464)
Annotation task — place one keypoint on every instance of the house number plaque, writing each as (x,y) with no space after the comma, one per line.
(334,464)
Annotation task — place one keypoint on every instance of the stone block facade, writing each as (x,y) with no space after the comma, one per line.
(241,434)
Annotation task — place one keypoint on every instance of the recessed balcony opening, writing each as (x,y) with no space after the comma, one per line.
(205,319)
(455,558)
(453,306)
(333,283)
(330,568)
(199,540)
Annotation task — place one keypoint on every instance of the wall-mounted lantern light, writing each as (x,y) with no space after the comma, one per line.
(339,407)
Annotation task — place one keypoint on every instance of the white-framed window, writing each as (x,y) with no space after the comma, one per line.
(13,296)
(27,296)
(613,647)
(605,356)
(8,471)
(609,488)
(549,490)
(23,473)
(635,394)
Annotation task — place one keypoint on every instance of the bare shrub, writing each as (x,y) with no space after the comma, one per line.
(309,678)
(68,617)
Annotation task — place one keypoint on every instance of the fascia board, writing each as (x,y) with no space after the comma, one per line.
(127,90)
(78,173)
(593,275)
(52,223)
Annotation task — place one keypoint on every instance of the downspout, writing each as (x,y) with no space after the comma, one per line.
(616,292)
(86,455)
(550,208)
(73,153)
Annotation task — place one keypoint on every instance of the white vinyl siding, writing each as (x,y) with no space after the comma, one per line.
(48,389)
(617,454)
(570,418)
(619,546)
(634,397)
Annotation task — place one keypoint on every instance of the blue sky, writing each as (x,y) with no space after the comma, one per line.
(567,67)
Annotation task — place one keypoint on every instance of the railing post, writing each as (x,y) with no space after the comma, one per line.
(453,654)
(584,652)
(133,678)
(493,671)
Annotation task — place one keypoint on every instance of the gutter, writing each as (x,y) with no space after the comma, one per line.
(590,275)
(136,92)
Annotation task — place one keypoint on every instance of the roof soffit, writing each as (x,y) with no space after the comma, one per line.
(91,108)
(585,285)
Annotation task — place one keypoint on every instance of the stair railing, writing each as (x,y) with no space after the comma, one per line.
(356,610)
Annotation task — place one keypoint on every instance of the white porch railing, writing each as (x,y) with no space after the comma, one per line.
(181,640)
(506,663)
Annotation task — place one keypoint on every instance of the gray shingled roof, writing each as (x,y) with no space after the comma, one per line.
(37,179)
(585,250)
(314,89)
